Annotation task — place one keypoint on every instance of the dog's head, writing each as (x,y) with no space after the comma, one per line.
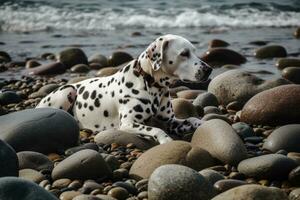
(175,56)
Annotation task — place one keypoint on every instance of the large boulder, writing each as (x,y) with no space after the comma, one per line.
(270,166)
(72,56)
(123,138)
(252,192)
(8,160)
(44,130)
(276,106)
(284,138)
(83,165)
(15,189)
(238,85)
(178,182)
(221,141)
(175,152)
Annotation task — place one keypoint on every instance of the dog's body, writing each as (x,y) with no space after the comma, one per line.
(139,91)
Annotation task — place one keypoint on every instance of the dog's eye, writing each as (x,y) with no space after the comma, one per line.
(185,53)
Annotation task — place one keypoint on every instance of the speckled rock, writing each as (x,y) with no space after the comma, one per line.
(252,192)
(275,106)
(122,138)
(220,140)
(8,160)
(178,182)
(72,56)
(270,166)
(238,85)
(175,152)
(84,164)
(270,51)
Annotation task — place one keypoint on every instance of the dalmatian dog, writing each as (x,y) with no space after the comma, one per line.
(128,99)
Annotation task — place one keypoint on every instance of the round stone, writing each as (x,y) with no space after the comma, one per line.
(44,130)
(48,69)
(100,59)
(31,175)
(295,194)
(270,51)
(297,33)
(206,99)
(175,152)
(32,64)
(224,185)
(220,140)
(183,108)
(9,97)
(284,138)
(292,74)
(294,176)
(84,164)
(275,106)
(251,192)
(6,57)
(44,91)
(80,68)
(107,71)
(270,166)
(211,176)
(118,58)
(72,56)
(238,85)
(17,188)
(8,160)
(122,138)
(243,129)
(287,62)
(221,56)
(34,160)
(73,150)
(217,43)
(178,182)
(118,193)
(188,94)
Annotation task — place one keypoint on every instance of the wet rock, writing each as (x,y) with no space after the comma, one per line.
(251,192)
(284,138)
(270,166)
(16,188)
(84,164)
(240,86)
(100,59)
(243,129)
(72,56)
(206,99)
(118,193)
(107,71)
(9,97)
(80,68)
(118,58)
(175,152)
(32,64)
(292,74)
(178,182)
(5,56)
(220,140)
(270,51)
(122,138)
(8,160)
(34,160)
(259,43)
(294,176)
(297,33)
(287,62)
(44,130)
(222,56)
(31,175)
(224,185)
(188,94)
(184,108)
(217,43)
(48,69)
(275,106)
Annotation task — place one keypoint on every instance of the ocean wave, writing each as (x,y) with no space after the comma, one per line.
(14,18)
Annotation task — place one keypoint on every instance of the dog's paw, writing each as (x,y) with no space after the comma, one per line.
(195,122)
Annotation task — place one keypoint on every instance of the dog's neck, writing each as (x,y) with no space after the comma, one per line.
(157,78)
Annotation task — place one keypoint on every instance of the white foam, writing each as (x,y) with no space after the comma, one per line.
(20,19)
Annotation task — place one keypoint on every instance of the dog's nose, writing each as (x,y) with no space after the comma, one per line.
(205,67)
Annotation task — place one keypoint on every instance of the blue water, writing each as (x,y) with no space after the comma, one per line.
(30,28)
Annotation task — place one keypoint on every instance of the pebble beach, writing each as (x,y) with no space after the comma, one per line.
(247,148)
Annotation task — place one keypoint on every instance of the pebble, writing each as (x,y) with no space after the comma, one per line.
(72,56)
(39,130)
(297,33)
(287,62)
(175,152)
(80,68)
(69,195)
(34,160)
(224,185)
(270,51)
(276,106)
(211,176)
(73,150)
(220,140)
(5,56)
(32,64)
(271,166)
(217,43)
(243,130)
(292,74)
(188,94)
(118,58)
(206,99)
(48,69)
(100,59)
(294,176)
(61,183)
(82,165)
(119,193)
(8,160)
(295,194)
(44,91)
(31,175)
(9,97)
(221,56)
(178,182)
(107,71)
(183,108)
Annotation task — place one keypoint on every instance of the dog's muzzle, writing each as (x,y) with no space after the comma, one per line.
(204,72)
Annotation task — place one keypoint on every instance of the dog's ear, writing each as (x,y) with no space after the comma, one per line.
(155,52)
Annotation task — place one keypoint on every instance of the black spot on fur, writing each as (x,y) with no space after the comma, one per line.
(100,85)
(81,90)
(85,95)
(91,108)
(112,94)
(129,84)
(134,91)
(148,129)
(85,105)
(93,95)
(97,103)
(126,68)
(144,101)
(105,113)
(138,116)
(138,108)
